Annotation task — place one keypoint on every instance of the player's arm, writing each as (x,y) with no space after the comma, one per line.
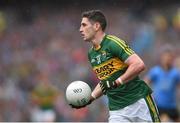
(134,63)
(135,66)
(97,92)
(151,76)
(121,50)
(147,80)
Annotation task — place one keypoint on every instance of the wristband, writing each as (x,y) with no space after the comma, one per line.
(93,96)
(120,81)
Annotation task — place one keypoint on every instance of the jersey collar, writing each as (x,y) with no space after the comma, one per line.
(101,44)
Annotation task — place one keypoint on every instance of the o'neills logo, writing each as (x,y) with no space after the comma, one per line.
(106,69)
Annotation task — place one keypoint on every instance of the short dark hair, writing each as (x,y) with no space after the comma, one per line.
(167,48)
(96,16)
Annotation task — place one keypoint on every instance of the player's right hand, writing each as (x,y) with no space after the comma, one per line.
(78,107)
(107,85)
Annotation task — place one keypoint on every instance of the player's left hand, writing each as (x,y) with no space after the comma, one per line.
(107,85)
(78,107)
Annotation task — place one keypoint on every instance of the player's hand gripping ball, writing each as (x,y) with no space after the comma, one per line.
(78,94)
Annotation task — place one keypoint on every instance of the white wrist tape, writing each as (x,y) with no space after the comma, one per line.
(120,81)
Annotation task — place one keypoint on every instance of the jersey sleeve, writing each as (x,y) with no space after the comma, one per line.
(120,49)
(152,74)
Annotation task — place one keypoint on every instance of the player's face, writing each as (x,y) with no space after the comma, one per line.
(87,29)
(167,59)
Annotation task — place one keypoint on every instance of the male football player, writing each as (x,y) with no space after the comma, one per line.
(117,66)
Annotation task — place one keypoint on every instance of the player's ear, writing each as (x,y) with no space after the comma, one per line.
(97,26)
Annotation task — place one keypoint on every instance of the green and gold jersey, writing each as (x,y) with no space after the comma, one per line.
(108,64)
(44,95)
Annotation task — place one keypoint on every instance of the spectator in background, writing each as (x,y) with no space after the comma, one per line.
(3,23)
(165,80)
(176,20)
(144,37)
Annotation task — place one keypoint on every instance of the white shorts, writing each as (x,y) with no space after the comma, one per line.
(139,111)
(38,115)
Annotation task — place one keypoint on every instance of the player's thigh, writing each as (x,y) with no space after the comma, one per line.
(136,112)
(115,118)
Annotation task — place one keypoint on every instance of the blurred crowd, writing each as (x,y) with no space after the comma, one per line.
(41,52)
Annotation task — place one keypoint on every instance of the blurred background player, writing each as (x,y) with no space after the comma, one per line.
(165,81)
(44,96)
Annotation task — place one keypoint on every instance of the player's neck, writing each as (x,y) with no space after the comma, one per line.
(166,67)
(98,39)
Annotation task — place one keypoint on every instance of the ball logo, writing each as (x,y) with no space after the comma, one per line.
(78,90)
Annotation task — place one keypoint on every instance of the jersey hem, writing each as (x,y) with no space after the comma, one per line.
(113,109)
